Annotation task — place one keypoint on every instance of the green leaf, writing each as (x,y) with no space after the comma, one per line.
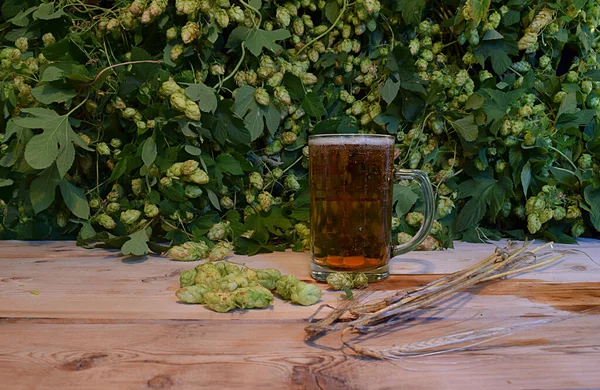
(22,18)
(484,190)
(414,85)
(68,70)
(272,118)
(563,176)
(556,233)
(476,187)
(11,7)
(474,102)
(86,232)
(40,116)
(585,38)
(256,39)
(254,123)
(568,104)
(46,12)
(260,39)
(404,198)
(167,53)
(411,10)
(302,214)
(592,197)
(227,163)
(244,100)
(594,74)
(272,222)
(491,35)
(120,169)
(518,234)
(64,50)
(75,199)
(204,95)
(332,10)
(149,152)
(203,223)
(11,129)
(246,246)
(580,118)
(562,35)
(526,177)
(235,223)
(294,86)
(52,73)
(58,136)
(389,90)
(471,213)
(176,193)
(253,120)
(214,200)
(158,248)
(313,105)
(326,60)
(48,94)
(193,150)
(498,51)
(496,104)
(502,189)
(412,105)
(43,189)
(578,4)
(238,134)
(137,245)
(466,128)
(6,182)
(476,9)
(65,159)
(143,71)
(327,126)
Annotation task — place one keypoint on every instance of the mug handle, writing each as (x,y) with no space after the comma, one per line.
(423,180)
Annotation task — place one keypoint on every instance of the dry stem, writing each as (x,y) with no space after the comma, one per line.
(372,316)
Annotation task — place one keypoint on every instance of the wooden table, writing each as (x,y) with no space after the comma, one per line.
(101,321)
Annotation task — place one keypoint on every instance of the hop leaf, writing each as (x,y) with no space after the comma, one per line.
(256,39)
(137,244)
(56,143)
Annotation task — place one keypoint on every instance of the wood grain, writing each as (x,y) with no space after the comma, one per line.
(105,322)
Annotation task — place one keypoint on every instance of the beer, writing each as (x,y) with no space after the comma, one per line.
(351,182)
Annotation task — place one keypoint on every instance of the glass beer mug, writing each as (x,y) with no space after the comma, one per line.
(351,183)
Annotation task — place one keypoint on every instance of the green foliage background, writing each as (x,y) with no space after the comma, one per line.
(103,102)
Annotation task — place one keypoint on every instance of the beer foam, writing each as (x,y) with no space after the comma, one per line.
(360,139)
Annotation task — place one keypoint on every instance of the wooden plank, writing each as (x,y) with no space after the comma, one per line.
(581,264)
(241,354)
(109,287)
(103,321)
(584,258)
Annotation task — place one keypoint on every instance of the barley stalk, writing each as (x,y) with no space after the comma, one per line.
(372,316)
